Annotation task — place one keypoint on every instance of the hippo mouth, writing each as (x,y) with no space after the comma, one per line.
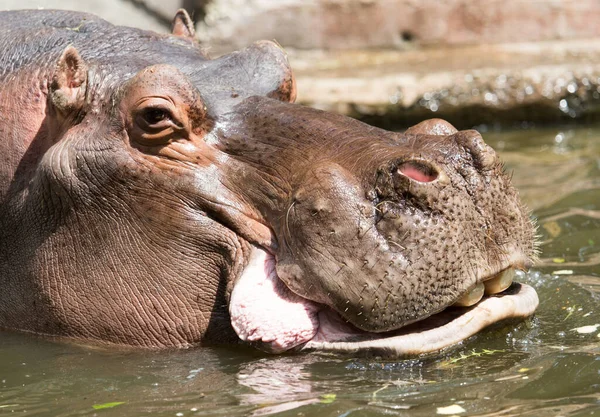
(267,314)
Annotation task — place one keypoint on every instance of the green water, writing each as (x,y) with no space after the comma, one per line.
(542,367)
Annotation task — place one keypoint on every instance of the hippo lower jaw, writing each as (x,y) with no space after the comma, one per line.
(432,334)
(267,314)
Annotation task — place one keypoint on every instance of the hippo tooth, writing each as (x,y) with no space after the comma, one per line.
(472,297)
(499,282)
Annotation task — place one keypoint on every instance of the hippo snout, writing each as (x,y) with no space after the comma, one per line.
(386,229)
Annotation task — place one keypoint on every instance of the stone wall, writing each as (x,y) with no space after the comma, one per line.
(356,24)
(352,24)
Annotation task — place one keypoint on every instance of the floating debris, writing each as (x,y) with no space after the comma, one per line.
(450,410)
(107,405)
(327,398)
(586,329)
(472,354)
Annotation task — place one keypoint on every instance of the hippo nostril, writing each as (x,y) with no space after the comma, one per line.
(419,171)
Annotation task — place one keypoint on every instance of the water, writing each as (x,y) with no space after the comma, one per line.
(547,366)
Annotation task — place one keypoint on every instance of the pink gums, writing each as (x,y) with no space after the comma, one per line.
(263,309)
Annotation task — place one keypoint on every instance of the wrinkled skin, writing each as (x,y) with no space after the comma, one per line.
(139,179)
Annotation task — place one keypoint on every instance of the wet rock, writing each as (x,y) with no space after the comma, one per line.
(467,85)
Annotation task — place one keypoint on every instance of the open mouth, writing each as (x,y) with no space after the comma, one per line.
(267,314)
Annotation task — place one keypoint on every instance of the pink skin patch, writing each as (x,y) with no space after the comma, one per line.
(263,309)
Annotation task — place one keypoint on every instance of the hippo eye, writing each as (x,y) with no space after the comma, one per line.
(154,116)
(155,119)
(156,122)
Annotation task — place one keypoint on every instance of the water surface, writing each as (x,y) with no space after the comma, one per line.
(546,366)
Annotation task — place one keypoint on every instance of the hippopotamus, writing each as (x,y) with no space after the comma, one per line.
(154,197)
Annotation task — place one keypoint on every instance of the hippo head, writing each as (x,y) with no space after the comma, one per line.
(189,201)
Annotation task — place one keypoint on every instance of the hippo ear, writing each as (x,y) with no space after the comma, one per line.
(263,68)
(67,89)
(433,127)
(182,25)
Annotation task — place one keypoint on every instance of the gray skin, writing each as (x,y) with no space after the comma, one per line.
(137,175)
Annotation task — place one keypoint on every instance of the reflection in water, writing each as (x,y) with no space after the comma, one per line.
(540,367)
(278,384)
